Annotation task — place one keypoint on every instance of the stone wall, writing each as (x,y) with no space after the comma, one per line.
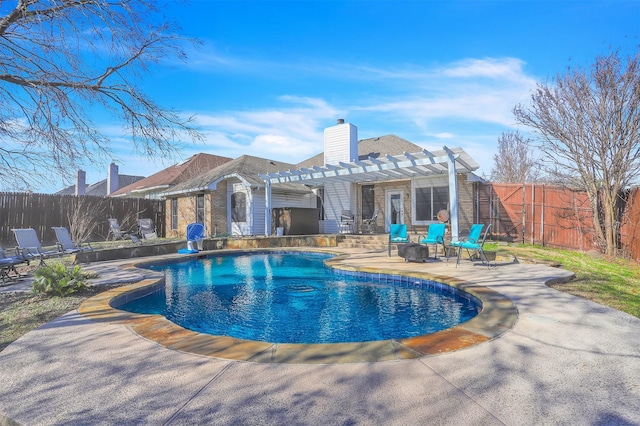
(144,250)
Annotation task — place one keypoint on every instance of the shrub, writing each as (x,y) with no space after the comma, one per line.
(58,279)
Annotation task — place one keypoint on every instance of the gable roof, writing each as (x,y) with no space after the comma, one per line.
(177,173)
(247,168)
(99,189)
(372,147)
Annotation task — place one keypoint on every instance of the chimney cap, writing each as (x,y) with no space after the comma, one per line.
(340,120)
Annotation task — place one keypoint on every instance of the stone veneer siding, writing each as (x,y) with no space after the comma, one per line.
(215,209)
(466,206)
(218,210)
(186,215)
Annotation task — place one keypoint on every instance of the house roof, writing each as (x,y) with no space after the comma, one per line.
(372,147)
(247,168)
(99,189)
(177,173)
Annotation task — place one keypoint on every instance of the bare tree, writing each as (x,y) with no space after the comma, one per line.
(515,161)
(84,215)
(588,121)
(63,62)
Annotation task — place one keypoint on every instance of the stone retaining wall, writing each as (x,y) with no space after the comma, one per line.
(172,247)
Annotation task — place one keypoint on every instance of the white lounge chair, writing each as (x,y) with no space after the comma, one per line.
(29,245)
(346,222)
(115,231)
(65,243)
(8,265)
(147,230)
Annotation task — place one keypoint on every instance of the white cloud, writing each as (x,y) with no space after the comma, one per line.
(467,103)
(444,135)
(445,103)
(290,133)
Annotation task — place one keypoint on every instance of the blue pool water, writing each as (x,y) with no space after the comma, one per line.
(294,298)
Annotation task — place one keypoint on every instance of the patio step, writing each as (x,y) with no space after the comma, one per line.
(374,241)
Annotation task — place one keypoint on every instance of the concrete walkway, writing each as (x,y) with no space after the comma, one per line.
(566,361)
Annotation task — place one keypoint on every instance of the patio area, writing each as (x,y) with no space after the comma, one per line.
(565,361)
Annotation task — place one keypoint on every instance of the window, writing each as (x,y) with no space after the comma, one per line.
(200,208)
(368,202)
(174,213)
(428,201)
(239,207)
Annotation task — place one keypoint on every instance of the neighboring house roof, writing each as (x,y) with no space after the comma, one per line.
(246,168)
(196,165)
(99,189)
(372,147)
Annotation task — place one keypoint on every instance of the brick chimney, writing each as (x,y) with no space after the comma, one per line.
(81,182)
(112,179)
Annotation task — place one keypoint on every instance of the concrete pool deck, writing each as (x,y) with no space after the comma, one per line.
(565,361)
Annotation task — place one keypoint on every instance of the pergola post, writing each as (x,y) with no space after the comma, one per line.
(267,207)
(453,194)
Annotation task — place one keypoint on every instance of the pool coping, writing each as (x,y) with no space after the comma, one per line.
(497,316)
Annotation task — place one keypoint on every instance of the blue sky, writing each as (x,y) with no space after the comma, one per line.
(271,75)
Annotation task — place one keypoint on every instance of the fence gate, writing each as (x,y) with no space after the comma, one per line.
(537,214)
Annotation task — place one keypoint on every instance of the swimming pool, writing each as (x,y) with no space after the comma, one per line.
(287,297)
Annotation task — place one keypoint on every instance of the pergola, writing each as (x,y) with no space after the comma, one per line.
(449,161)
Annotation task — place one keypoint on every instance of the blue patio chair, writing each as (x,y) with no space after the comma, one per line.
(434,236)
(472,243)
(397,234)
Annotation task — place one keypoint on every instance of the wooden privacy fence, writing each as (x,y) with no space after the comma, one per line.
(42,211)
(552,216)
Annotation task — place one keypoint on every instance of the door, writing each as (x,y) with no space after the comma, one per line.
(394,210)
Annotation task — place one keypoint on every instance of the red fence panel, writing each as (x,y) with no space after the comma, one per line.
(538,214)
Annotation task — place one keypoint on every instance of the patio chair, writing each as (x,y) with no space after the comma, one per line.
(8,265)
(435,236)
(29,246)
(369,225)
(147,230)
(397,234)
(472,243)
(195,233)
(65,243)
(115,231)
(346,222)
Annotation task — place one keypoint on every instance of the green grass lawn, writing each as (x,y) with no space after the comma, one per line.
(610,282)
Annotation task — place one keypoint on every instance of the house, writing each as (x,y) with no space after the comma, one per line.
(230,199)
(102,188)
(152,186)
(404,182)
